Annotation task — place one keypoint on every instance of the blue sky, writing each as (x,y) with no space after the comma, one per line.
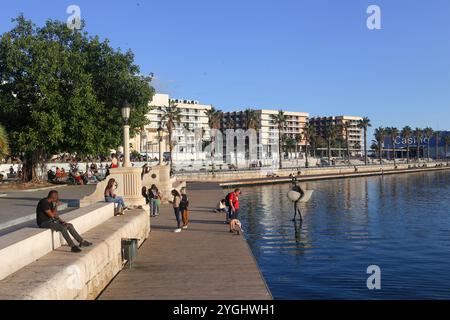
(302,55)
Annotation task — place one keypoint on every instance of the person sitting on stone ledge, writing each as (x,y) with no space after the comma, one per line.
(47,218)
(110,195)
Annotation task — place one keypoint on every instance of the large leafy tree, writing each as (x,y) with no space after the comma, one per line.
(4,145)
(61,91)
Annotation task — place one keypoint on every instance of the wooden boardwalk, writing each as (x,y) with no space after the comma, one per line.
(202,262)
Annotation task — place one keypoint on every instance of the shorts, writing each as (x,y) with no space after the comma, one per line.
(235,214)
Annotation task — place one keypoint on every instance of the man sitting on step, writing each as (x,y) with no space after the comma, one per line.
(47,218)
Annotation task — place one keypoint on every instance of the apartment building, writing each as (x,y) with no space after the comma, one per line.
(193,122)
(268,134)
(355,133)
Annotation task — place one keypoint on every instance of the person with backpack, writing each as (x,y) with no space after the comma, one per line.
(233,199)
(154,200)
(184,208)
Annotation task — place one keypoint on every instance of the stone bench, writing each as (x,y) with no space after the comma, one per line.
(24,246)
(62,275)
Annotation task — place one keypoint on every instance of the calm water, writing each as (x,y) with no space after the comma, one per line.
(400,223)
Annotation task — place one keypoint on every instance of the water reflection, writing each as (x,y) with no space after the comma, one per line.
(400,223)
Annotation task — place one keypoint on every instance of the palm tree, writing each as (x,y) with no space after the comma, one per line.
(4,145)
(428,133)
(436,143)
(447,143)
(252,122)
(279,120)
(309,132)
(171,117)
(298,145)
(346,126)
(380,133)
(290,143)
(364,124)
(331,133)
(393,132)
(406,134)
(418,134)
(214,122)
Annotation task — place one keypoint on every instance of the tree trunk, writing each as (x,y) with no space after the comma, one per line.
(380,152)
(279,153)
(407,153)
(170,151)
(365,146)
(306,154)
(329,152)
(29,167)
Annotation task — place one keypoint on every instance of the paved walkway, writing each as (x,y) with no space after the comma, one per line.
(20,205)
(203,262)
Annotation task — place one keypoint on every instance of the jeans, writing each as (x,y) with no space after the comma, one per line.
(118,200)
(64,229)
(230,213)
(154,208)
(177,216)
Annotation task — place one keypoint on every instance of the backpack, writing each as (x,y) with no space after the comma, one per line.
(227,199)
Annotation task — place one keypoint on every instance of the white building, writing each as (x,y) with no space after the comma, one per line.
(187,136)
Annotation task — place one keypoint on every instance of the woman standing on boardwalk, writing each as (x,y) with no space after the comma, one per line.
(153,196)
(184,205)
(176,208)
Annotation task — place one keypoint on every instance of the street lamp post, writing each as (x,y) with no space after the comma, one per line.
(126,110)
(160,131)
(145,141)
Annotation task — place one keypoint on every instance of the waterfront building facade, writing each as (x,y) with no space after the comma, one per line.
(436,146)
(355,133)
(187,135)
(267,129)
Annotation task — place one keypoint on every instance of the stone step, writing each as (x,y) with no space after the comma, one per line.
(28,218)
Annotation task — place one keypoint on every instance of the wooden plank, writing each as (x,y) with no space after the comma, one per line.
(203,262)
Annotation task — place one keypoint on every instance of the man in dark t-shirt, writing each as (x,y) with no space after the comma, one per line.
(47,218)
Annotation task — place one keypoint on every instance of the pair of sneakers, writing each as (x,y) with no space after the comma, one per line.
(84,243)
(179,229)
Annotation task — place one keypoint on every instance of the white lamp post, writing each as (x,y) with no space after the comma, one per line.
(160,132)
(126,110)
(145,140)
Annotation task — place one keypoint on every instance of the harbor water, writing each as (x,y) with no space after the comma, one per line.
(400,223)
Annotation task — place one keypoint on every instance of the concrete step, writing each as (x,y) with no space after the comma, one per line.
(28,218)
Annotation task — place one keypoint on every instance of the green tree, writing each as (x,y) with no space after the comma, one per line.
(379,134)
(346,126)
(437,137)
(447,143)
(170,118)
(364,124)
(214,122)
(406,134)
(309,132)
(428,133)
(393,132)
(418,133)
(331,134)
(279,120)
(4,144)
(61,91)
